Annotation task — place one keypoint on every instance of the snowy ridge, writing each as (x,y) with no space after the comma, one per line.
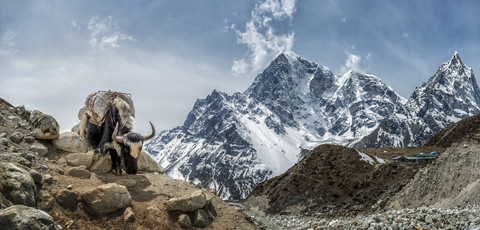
(231,143)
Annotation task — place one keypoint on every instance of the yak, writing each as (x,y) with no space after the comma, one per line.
(114,135)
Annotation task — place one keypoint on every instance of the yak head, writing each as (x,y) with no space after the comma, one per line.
(129,146)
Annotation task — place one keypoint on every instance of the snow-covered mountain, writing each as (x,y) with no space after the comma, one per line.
(450,95)
(232,143)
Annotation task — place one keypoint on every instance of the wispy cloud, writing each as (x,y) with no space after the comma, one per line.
(260,37)
(7,43)
(352,63)
(105,33)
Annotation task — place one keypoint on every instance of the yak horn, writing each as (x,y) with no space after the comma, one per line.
(151,135)
(114,135)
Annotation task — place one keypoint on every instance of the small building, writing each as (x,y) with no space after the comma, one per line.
(420,159)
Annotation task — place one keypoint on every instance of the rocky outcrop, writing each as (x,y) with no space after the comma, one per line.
(17,185)
(196,209)
(45,127)
(107,198)
(23,217)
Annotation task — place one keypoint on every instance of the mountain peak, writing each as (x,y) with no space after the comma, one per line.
(456,59)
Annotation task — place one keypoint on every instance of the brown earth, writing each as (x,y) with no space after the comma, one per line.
(149,191)
(332,179)
(463,129)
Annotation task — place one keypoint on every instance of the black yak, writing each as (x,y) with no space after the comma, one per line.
(112,131)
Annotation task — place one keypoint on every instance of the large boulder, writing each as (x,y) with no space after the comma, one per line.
(107,198)
(17,185)
(147,163)
(79,159)
(45,127)
(189,203)
(70,142)
(101,164)
(23,217)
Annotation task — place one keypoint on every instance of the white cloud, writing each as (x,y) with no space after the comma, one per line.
(343,19)
(259,36)
(352,63)
(7,43)
(405,35)
(106,34)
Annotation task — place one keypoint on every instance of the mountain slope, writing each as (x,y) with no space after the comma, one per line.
(231,143)
(450,95)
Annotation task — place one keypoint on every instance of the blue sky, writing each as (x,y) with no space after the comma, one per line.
(167,54)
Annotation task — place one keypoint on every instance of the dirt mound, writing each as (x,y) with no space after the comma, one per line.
(331,178)
(465,128)
(451,180)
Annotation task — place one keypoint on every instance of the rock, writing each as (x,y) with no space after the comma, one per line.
(428,219)
(128,215)
(69,187)
(107,198)
(129,183)
(29,139)
(67,199)
(47,178)
(70,142)
(201,219)
(18,184)
(102,165)
(23,217)
(77,159)
(188,203)
(3,142)
(80,173)
(40,149)
(37,177)
(147,163)
(16,137)
(45,201)
(184,221)
(45,127)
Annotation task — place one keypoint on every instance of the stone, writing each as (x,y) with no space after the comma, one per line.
(187,203)
(16,137)
(201,219)
(184,221)
(29,139)
(67,199)
(107,198)
(37,177)
(102,165)
(18,184)
(3,141)
(78,159)
(70,142)
(80,173)
(45,201)
(69,187)
(47,178)
(428,219)
(23,217)
(45,127)
(146,163)
(40,149)
(128,215)
(129,183)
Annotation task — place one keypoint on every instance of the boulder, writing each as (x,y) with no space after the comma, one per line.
(102,164)
(23,217)
(70,142)
(78,159)
(80,172)
(40,149)
(147,163)
(201,218)
(187,203)
(184,221)
(67,199)
(45,127)
(18,185)
(16,137)
(107,198)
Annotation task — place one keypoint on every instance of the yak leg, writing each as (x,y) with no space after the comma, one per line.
(116,162)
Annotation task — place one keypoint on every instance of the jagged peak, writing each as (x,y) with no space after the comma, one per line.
(455,60)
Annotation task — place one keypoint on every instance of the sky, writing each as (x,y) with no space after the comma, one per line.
(168,54)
